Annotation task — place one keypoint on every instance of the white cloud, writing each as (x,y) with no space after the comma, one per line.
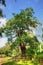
(2,22)
(3,41)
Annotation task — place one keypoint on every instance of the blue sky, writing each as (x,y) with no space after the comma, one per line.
(15,7)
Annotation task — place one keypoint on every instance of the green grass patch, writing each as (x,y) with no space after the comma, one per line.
(18,63)
(10,61)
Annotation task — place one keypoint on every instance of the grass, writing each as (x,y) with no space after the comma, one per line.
(18,63)
(10,61)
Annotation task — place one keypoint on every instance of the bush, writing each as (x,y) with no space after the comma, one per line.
(35,62)
(40,55)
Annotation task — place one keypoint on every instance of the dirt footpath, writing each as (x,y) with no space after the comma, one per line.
(0,61)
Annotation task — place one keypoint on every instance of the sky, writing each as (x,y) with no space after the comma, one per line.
(16,7)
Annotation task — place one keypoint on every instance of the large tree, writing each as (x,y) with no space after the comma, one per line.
(19,24)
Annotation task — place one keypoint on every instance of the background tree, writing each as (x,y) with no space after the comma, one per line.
(1,14)
(3,2)
(42,34)
(6,50)
(1,30)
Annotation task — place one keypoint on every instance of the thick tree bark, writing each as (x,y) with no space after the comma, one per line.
(23,49)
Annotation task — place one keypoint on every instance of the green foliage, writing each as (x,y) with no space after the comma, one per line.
(22,21)
(6,50)
(1,31)
(17,26)
(40,55)
(1,12)
(35,62)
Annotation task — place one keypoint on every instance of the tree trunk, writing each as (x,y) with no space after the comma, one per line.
(23,49)
(22,45)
